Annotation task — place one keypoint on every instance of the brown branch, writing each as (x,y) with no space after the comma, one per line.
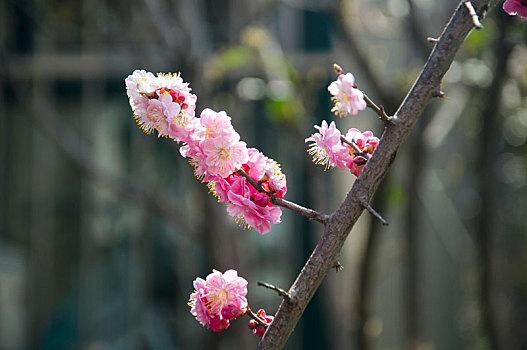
(308,213)
(373,212)
(279,290)
(340,223)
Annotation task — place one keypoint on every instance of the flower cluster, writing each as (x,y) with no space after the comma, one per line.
(516,7)
(328,146)
(218,299)
(165,103)
(256,327)
(331,149)
(348,99)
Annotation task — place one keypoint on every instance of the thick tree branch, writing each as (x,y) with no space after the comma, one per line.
(340,223)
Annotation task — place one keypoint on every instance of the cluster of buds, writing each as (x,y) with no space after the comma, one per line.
(165,103)
(258,327)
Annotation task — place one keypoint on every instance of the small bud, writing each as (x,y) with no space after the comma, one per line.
(261,199)
(338,69)
(260,331)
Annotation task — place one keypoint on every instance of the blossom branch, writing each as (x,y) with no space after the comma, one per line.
(340,223)
(373,212)
(378,109)
(309,213)
(279,290)
(352,144)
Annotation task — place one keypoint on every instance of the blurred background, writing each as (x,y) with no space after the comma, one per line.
(103,228)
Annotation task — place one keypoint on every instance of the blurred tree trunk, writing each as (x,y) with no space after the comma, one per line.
(489,143)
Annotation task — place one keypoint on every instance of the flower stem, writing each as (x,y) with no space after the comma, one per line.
(255,317)
(309,213)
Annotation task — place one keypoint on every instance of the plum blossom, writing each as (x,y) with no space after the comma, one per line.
(212,146)
(247,205)
(257,328)
(516,7)
(224,154)
(218,299)
(348,99)
(366,142)
(163,103)
(327,148)
(212,124)
(247,211)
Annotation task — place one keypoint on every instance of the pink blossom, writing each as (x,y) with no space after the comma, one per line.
(247,211)
(327,148)
(367,143)
(224,154)
(136,84)
(348,99)
(218,299)
(163,103)
(213,124)
(516,7)
(247,205)
(257,328)
(267,172)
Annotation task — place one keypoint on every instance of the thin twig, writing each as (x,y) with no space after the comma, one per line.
(373,212)
(474,15)
(308,213)
(255,317)
(379,110)
(279,290)
(352,144)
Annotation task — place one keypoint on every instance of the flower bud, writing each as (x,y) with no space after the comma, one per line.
(261,199)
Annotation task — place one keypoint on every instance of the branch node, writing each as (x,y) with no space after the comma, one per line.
(432,40)
(439,94)
(474,15)
(279,290)
(338,267)
(373,212)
